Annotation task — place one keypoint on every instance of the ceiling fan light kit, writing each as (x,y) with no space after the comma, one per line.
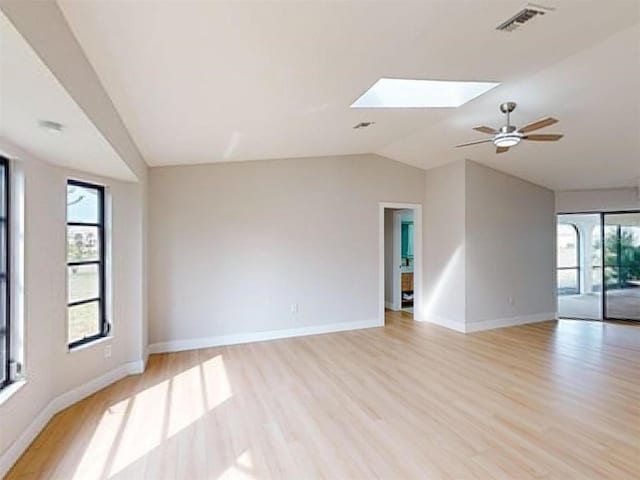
(507,140)
(509,135)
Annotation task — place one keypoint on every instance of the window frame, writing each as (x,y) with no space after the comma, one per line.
(101,262)
(578,266)
(4,162)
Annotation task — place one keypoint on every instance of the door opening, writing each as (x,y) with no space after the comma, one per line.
(401,243)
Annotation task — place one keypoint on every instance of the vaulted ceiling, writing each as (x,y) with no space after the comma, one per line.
(200,82)
(30,93)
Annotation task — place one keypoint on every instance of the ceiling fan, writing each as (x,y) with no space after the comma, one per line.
(510,136)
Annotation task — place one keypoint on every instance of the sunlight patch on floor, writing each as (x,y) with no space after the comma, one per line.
(124,435)
(216,382)
(187,400)
(139,436)
(242,469)
(98,450)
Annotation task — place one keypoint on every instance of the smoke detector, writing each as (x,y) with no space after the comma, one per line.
(525,15)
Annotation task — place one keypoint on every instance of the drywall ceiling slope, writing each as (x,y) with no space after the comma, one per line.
(203,82)
(594,93)
(29,92)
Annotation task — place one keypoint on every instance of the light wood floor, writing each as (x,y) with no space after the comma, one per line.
(545,401)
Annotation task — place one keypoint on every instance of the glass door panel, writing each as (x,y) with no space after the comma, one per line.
(622,265)
(579,260)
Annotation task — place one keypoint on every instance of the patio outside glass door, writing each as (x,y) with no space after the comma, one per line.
(622,266)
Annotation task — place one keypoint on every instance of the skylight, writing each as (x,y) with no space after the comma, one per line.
(402,93)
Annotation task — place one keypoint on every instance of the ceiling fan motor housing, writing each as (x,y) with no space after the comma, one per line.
(507,107)
(508,136)
(508,129)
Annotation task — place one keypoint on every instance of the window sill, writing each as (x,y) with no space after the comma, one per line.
(88,345)
(9,391)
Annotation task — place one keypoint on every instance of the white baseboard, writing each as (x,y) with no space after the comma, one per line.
(137,367)
(391,306)
(471,327)
(237,338)
(11,455)
(146,356)
(509,322)
(444,322)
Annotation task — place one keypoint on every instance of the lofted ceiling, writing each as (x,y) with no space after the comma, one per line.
(29,93)
(198,82)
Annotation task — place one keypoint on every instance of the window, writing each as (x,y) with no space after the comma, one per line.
(407,93)
(622,252)
(86,310)
(568,259)
(5,324)
(406,234)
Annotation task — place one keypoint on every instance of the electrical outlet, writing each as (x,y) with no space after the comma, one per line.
(107,351)
(294,308)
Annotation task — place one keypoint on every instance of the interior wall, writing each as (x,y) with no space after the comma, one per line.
(598,200)
(510,247)
(56,45)
(444,246)
(388,257)
(235,245)
(51,369)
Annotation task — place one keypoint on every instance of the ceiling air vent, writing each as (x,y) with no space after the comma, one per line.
(523,16)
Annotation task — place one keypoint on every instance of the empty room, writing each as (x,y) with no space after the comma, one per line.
(320,239)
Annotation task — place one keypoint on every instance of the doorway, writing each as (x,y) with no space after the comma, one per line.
(406,243)
(598,265)
(400,258)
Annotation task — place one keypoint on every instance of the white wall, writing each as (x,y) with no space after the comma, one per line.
(388,256)
(444,246)
(489,249)
(51,370)
(597,200)
(510,248)
(234,245)
(56,45)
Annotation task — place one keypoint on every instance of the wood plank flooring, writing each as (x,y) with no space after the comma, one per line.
(555,400)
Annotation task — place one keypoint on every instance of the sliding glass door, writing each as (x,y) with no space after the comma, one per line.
(598,266)
(579,261)
(622,265)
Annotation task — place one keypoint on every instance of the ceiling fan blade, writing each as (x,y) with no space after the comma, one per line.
(485,129)
(544,122)
(502,149)
(475,142)
(544,137)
